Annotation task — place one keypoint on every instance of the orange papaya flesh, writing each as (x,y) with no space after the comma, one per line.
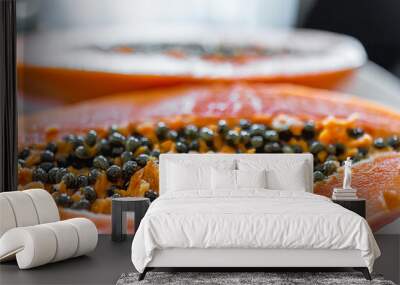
(338,138)
(197,104)
(377,179)
(71,66)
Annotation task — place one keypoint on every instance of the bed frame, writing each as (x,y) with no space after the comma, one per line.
(242,259)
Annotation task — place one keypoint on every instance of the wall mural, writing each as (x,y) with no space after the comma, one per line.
(97,114)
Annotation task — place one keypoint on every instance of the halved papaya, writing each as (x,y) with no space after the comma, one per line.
(76,66)
(130,130)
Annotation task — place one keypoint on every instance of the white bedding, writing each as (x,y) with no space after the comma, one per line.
(252,218)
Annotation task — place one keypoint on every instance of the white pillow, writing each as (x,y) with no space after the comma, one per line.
(281,174)
(182,177)
(227,179)
(188,174)
(223,179)
(251,178)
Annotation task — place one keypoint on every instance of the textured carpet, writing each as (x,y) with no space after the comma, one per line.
(225,278)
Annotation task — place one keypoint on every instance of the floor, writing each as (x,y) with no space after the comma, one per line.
(103,266)
(110,260)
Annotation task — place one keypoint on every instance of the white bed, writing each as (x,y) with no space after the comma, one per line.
(249,227)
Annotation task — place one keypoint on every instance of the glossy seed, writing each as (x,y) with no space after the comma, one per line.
(331,149)
(318,176)
(91,138)
(46,166)
(64,200)
(222,127)
(244,124)
(52,147)
(77,141)
(297,148)
(117,151)
(172,135)
(82,204)
(379,143)
(340,149)
(285,134)
(116,139)
(129,168)
(60,174)
(191,131)
(316,147)
(287,149)
(257,130)
(93,174)
(132,143)
(272,147)
(82,181)
(111,191)
(104,147)
(155,153)
(181,147)
(232,137)
(151,195)
(24,153)
(100,162)
(161,130)
(271,136)
(394,142)
(194,145)
(39,174)
(145,142)
(114,172)
(69,180)
(206,134)
(21,162)
(257,141)
(81,152)
(126,156)
(244,137)
(89,193)
(308,131)
(142,159)
(355,132)
(47,156)
(329,167)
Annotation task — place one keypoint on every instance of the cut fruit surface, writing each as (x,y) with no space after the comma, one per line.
(74,66)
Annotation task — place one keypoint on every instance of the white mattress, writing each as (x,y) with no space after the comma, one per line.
(253,219)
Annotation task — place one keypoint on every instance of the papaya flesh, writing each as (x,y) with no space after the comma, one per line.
(295,118)
(71,67)
(199,103)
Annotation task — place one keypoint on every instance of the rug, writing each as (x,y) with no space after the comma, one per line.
(269,278)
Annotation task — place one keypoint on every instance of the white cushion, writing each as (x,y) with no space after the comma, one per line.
(187,175)
(223,179)
(251,178)
(183,177)
(40,244)
(7,218)
(282,174)
(45,205)
(23,208)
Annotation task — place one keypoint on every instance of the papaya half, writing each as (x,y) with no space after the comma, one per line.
(87,153)
(71,67)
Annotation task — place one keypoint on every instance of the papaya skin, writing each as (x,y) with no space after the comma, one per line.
(64,86)
(199,103)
